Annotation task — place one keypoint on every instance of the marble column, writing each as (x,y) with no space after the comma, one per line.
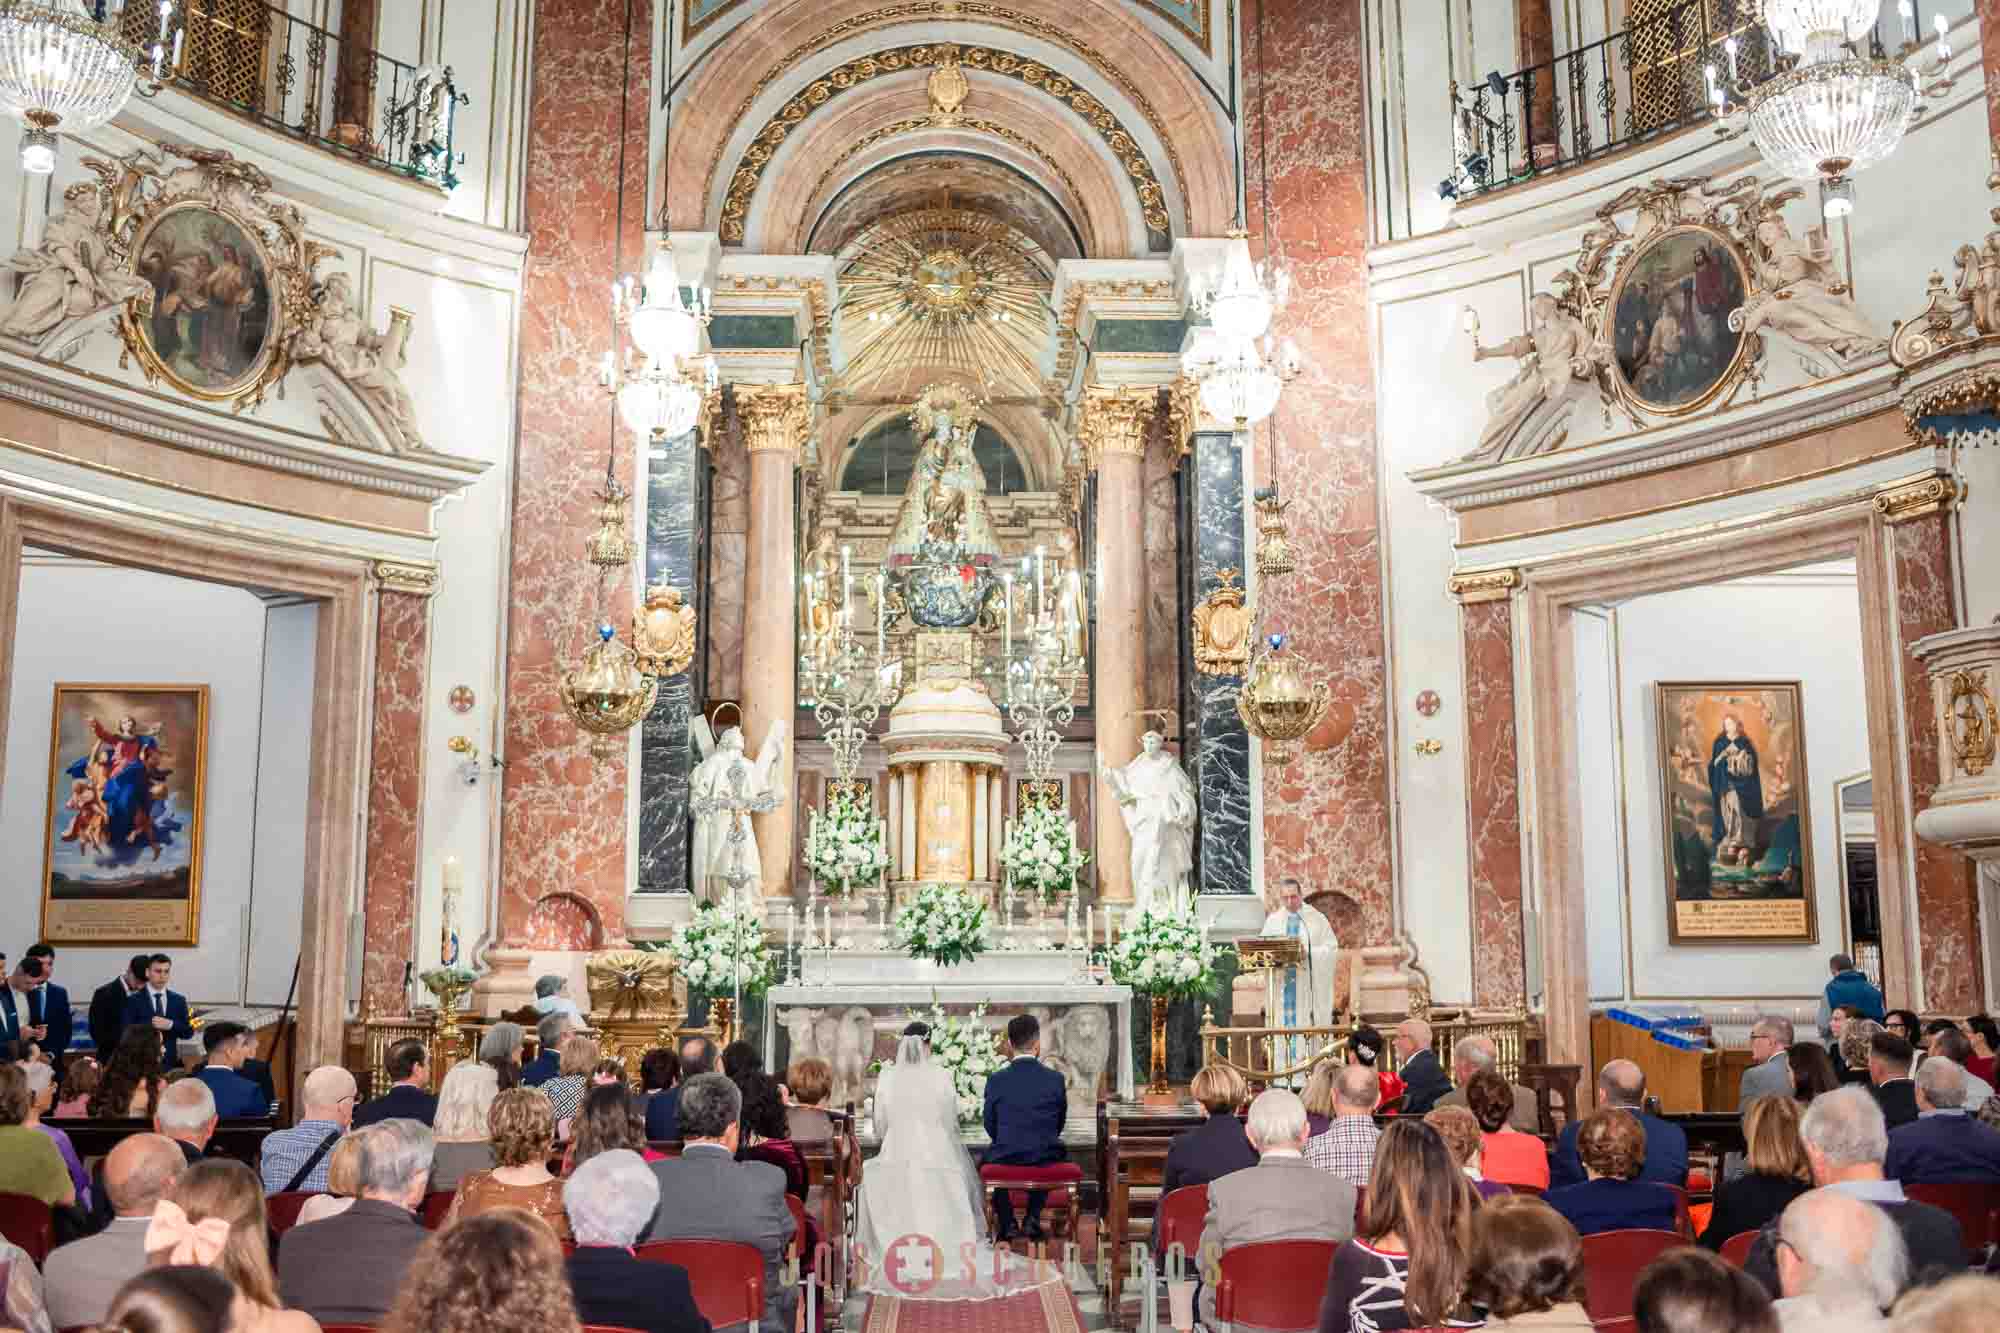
(676,555)
(1493,804)
(395,794)
(775,418)
(1946,920)
(980,864)
(1988,13)
(1218,753)
(1535,25)
(1114,434)
(895,829)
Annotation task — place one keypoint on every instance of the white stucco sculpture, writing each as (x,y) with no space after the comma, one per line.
(725,771)
(1800,293)
(1556,367)
(1158,804)
(71,273)
(367,362)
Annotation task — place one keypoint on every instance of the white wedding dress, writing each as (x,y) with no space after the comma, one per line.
(920,1220)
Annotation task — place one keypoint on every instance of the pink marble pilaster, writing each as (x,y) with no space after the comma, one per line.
(1120,682)
(1947,917)
(1493,803)
(395,799)
(562,814)
(1988,14)
(774,424)
(1326,814)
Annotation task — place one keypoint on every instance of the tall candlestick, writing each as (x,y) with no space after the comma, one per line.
(1041,580)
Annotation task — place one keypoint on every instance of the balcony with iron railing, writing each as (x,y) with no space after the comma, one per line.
(1637,86)
(283,72)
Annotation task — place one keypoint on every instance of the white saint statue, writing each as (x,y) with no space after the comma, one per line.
(1302,996)
(1158,803)
(726,771)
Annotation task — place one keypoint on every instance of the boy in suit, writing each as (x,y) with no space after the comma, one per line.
(50,1006)
(165,1010)
(107,1005)
(1025,1106)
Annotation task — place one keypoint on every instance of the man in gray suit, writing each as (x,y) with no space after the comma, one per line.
(1475,1055)
(1281,1198)
(1771,1075)
(80,1278)
(706,1194)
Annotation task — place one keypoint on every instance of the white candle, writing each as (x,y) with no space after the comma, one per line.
(1729,49)
(453,875)
(791,925)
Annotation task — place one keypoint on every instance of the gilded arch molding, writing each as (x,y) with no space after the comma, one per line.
(919,124)
(864,69)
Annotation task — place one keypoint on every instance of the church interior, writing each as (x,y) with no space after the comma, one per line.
(1220,525)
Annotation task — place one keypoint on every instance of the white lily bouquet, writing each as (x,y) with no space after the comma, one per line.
(720,949)
(944,923)
(846,846)
(970,1050)
(1041,853)
(1165,953)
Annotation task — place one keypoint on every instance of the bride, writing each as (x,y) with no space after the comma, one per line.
(921,1220)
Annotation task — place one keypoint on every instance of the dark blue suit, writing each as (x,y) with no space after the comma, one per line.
(1615,1205)
(236,1097)
(42,1005)
(663,1116)
(1943,1149)
(1666,1154)
(139,1012)
(1026,1104)
(541,1069)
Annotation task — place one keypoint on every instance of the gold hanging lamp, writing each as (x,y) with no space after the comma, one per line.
(1276,704)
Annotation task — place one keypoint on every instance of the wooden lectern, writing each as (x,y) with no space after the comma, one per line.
(1271,955)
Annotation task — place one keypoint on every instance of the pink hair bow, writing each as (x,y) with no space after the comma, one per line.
(189,1242)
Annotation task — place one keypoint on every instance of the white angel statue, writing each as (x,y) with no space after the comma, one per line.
(726,774)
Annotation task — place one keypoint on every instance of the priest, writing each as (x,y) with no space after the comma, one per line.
(1302,996)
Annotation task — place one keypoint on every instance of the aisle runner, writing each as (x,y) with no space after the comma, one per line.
(1048,1309)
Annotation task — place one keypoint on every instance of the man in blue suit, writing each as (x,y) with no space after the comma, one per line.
(1026,1103)
(22,1030)
(49,1007)
(164,1010)
(1622,1084)
(1943,1145)
(663,1112)
(228,1046)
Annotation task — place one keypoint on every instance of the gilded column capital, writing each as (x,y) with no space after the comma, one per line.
(417,580)
(1115,420)
(775,417)
(1935,494)
(1486,585)
(710,419)
(1183,413)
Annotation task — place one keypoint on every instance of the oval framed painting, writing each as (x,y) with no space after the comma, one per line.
(1668,319)
(212,332)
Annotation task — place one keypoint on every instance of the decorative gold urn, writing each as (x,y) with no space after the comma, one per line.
(1274,546)
(1276,705)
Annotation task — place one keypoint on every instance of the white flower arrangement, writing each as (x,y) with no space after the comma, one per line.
(720,949)
(944,923)
(1165,953)
(1041,852)
(970,1050)
(846,846)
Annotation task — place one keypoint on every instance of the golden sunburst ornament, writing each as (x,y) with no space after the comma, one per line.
(945,289)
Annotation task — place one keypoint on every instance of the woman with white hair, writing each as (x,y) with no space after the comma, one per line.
(464,1140)
(42,1096)
(611,1200)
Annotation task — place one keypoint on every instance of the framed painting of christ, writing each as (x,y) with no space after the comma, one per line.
(121,861)
(1734,821)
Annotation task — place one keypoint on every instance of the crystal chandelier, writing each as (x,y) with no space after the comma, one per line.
(1234,380)
(661,387)
(66,65)
(1241,296)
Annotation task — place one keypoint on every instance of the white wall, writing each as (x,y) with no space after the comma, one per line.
(1802,625)
(80,622)
(1599,799)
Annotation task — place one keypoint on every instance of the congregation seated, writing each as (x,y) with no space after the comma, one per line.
(610,1118)
(1613,1196)
(697,1056)
(345,1269)
(175,1298)
(500,1272)
(1944,1039)
(80,1078)
(523,1128)
(1846,1142)
(1889,1061)
(1477,1055)
(1346,1147)
(343,1181)
(1280,1198)
(1694,1291)
(1317,1097)
(740,1201)
(610,1199)
(1812,1070)
(1218,1145)
(1424,1079)
(740,1057)
(574,1069)
(41,1100)
(500,1050)
(1776,1172)
(1364,1047)
(407,1062)
(213,1215)
(1943,1145)
(228,1045)
(296,1158)
(552,996)
(765,1129)
(30,1163)
(1622,1085)
(81,1278)
(1525,1269)
(1856,1036)
(132,1078)
(1406,1264)
(1841,1265)
(1984,1033)
(464,1143)
(1506,1154)
(1951,1306)
(809,1081)
(186,1117)
(550,1034)
(1460,1132)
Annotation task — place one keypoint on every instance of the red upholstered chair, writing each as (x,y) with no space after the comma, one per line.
(28,1223)
(1274,1283)
(1611,1264)
(1061,1179)
(727,1276)
(1972,1205)
(283,1209)
(1683,1220)
(1182,1215)
(1737,1248)
(436,1204)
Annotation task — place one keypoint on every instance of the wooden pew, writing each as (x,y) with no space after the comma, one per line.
(241,1139)
(1135,1167)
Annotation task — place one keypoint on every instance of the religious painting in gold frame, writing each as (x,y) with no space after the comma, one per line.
(214,332)
(1667,320)
(122,842)
(1736,827)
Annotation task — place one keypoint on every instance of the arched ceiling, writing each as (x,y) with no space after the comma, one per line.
(919,181)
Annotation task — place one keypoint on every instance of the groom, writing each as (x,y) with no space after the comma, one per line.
(1025,1106)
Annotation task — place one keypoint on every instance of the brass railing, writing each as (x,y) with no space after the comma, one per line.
(1510,1031)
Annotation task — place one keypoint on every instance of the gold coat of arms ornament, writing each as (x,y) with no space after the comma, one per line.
(663,632)
(1222,630)
(1970,721)
(630,983)
(948,89)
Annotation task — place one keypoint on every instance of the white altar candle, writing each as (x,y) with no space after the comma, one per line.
(453,875)
(791,926)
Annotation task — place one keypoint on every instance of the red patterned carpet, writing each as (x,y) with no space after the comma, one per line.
(1048,1309)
